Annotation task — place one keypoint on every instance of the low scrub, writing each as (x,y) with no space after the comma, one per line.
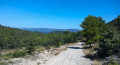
(110,44)
(19,54)
(14,54)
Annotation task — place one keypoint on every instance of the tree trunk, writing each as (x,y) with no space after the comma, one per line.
(90,45)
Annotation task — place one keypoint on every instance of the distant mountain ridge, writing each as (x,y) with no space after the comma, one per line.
(47,30)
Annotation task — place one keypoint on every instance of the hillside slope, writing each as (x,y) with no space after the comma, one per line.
(115,24)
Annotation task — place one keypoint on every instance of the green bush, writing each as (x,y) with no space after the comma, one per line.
(30,49)
(14,55)
(59,43)
(110,43)
(19,54)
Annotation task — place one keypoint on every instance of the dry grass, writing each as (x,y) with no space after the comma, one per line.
(40,48)
(6,54)
(6,51)
(58,50)
(3,63)
(53,49)
(91,53)
(97,62)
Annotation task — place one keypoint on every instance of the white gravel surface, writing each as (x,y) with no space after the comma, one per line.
(72,56)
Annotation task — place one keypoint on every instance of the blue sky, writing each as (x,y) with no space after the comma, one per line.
(60,14)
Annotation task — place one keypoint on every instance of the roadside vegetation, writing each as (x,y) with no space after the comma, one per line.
(19,43)
(103,38)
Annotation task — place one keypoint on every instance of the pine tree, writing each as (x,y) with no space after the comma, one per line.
(92,26)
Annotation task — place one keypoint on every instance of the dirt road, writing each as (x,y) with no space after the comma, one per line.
(72,56)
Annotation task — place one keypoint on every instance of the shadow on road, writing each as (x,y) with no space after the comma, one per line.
(89,57)
(75,48)
(78,47)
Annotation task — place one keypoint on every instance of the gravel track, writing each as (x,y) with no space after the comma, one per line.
(74,55)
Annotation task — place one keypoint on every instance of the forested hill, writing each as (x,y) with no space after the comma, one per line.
(115,24)
(13,37)
(47,30)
